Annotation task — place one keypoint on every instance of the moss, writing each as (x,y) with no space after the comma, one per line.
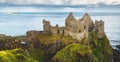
(96,50)
(38,54)
(102,50)
(99,50)
(72,52)
(46,40)
(15,55)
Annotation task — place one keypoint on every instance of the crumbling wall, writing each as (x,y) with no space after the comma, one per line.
(78,29)
(46,25)
(99,28)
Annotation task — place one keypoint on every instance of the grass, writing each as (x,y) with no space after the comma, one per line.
(38,54)
(101,47)
(15,55)
(69,53)
(99,51)
(50,39)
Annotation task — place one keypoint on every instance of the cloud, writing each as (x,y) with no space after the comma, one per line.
(112,1)
(77,2)
(40,9)
(67,9)
(61,2)
(16,9)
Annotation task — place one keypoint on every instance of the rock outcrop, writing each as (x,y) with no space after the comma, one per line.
(116,55)
(99,51)
(118,46)
(77,41)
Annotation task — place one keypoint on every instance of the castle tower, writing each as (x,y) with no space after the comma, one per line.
(46,26)
(87,23)
(77,29)
(70,20)
(99,28)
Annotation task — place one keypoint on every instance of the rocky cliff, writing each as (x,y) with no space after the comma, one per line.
(59,48)
(98,50)
(45,46)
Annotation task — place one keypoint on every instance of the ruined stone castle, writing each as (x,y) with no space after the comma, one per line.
(78,29)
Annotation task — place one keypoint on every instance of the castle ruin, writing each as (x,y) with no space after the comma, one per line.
(78,29)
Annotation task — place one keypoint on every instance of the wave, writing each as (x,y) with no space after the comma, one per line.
(115,42)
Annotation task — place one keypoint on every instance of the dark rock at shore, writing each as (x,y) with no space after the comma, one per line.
(118,46)
(116,55)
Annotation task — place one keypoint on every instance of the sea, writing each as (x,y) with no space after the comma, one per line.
(18,23)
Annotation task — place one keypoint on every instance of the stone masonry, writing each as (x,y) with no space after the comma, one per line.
(78,29)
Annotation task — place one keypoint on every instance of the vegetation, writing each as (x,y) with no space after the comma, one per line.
(50,39)
(98,50)
(101,48)
(94,49)
(38,54)
(73,53)
(15,55)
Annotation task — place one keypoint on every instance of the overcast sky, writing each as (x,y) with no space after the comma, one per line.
(96,8)
(61,2)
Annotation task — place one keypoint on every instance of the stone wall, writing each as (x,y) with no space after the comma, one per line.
(78,29)
(99,28)
(46,25)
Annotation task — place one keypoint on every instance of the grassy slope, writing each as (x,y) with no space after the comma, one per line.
(15,55)
(49,39)
(101,48)
(69,53)
(38,54)
(100,51)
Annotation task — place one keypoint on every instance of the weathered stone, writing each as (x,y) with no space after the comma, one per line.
(77,29)
(118,46)
(99,28)
(2,35)
(33,33)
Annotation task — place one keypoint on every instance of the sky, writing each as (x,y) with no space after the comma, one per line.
(61,2)
(65,6)
(11,7)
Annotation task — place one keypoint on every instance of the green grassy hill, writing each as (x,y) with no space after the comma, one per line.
(15,55)
(98,50)
(60,48)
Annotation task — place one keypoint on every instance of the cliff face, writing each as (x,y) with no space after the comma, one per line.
(116,55)
(98,50)
(60,48)
(78,41)
(101,47)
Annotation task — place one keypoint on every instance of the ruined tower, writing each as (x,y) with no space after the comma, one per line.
(46,25)
(99,28)
(70,25)
(70,20)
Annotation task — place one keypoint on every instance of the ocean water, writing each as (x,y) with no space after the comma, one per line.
(15,24)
